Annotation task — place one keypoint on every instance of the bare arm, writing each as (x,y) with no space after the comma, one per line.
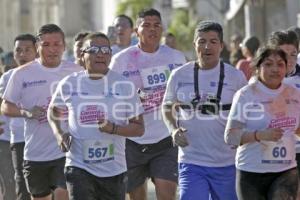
(12,110)
(178,133)
(236,135)
(63,138)
(133,129)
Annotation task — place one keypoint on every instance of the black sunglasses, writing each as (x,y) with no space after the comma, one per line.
(97,49)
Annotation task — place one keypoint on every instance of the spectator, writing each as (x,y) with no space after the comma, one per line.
(249,47)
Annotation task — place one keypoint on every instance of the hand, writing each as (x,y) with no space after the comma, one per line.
(270,134)
(35,113)
(179,137)
(105,126)
(65,142)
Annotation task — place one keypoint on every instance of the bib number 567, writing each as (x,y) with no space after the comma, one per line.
(97,152)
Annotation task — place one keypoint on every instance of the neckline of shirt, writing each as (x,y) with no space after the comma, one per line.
(267,90)
(49,69)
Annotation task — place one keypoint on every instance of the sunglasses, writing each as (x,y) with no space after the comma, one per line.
(97,49)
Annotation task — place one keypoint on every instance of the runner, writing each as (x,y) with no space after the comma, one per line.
(262,122)
(96,164)
(206,163)
(27,95)
(148,65)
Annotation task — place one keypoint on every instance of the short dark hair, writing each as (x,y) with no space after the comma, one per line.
(279,38)
(147,12)
(296,30)
(169,34)
(208,25)
(94,35)
(49,28)
(126,17)
(264,52)
(252,44)
(80,35)
(26,36)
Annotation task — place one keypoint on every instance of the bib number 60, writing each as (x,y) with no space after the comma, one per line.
(279,152)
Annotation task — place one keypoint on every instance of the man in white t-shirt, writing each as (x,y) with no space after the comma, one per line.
(203,90)
(124,29)
(103,109)
(28,95)
(77,46)
(148,65)
(24,52)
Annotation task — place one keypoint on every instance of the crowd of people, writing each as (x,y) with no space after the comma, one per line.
(129,109)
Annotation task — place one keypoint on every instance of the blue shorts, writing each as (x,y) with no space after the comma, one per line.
(206,183)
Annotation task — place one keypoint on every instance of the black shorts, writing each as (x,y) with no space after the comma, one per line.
(275,186)
(44,177)
(158,160)
(85,186)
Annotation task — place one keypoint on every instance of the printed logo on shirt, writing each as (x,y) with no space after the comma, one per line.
(131,73)
(291,101)
(283,122)
(91,114)
(110,93)
(34,83)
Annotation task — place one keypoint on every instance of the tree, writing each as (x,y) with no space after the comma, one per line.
(132,7)
(182,26)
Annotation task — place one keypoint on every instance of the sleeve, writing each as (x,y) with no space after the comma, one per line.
(13,90)
(236,111)
(3,84)
(58,98)
(114,64)
(236,120)
(170,94)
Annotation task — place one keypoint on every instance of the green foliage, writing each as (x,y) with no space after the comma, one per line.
(183,26)
(132,7)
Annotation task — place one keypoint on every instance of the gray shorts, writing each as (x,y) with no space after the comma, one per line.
(43,177)
(158,160)
(7,182)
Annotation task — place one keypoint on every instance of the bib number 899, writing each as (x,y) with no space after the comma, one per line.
(156,78)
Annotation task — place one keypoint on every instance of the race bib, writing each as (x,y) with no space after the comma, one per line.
(98,151)
(155,76)
(278,152)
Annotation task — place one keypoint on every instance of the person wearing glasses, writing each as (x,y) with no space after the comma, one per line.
(103,110)
(27,95)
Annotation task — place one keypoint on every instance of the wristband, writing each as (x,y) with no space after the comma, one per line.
(113,129)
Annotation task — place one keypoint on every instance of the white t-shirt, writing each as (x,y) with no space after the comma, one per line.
(205,133)
(259,108)
(298,59)
(88,101)
(149,72)
(32,85)
(295,82)
(16,125)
